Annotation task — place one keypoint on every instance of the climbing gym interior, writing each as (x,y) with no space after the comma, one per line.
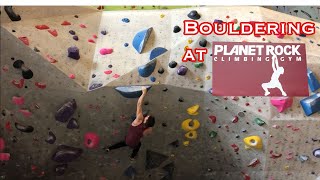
(71,78)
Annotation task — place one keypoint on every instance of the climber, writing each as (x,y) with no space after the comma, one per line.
(140,127)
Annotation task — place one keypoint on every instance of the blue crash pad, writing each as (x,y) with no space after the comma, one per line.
(131,91)
(311,104)
(140,39)
(157,52)
(313,81)
(147,69)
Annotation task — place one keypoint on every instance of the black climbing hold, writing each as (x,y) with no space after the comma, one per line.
(12,15)
(110,66)
(203,43)
(130,172)
(165,89)
(76,38)
(93,76)
(76,16)
(164,124)
(27,74)
(180,99)
(51,138)
(18,64)
(13,30)
(161,70)
(104,32)
(95,86)
(173,64)
(73,52)
(22,128)
(175,143)
(14,139)
(146,103)
(65,154)
(303,35)
(154,159)
(65,112)
(73,124)
(194,15)
(72,32)
(169,168)
(36,49)
(60,169)
(176,29)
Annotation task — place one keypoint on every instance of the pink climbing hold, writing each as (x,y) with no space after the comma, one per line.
(25,112)
(5,68)
(281,103)
(18,84)
(4,156)
(108,72)
(25,40)
(53,32)
(2,144)
(51,59)
(65,23)
(95,36)
(91,140)
(72,76)
(280,36)
(18,100)
(42,27)
(40,85)
(83,26)
(105,51)
(116,75)
(213,119)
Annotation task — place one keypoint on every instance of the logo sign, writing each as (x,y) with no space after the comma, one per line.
(259,69)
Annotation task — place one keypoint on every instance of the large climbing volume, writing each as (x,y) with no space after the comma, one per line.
(311,104)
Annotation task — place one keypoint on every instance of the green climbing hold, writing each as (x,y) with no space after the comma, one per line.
(238,28)
(259,121)
(213,134)
(198,65)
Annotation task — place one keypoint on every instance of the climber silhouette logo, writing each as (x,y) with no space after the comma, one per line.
(274,82)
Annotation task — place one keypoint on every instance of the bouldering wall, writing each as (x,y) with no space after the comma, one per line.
(230,137)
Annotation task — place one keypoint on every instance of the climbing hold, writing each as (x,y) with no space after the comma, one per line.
(17,100)
(91,41)
(19,84)
(235,147)
(186,47)
(280,36)
(65,154)
(213,134)
(73,52)
(131,91)
(25,112)
(104,51)
(152,79)
(91,140)
(72,76)
(72,32)
(186,143)
(253,142)
(213,119)
(218,21)
(235,119)
(259,121)
(193,110)
(241,114)
(65,112)
(181,99)
(175,143)
(22,128)
(176,29)
(42,27)
(40,85)
(2,144)
(60,169)
(157,52)
(316,153)
(303,158)
(108,71)
(190,125)
(281,103)
(125,20)
(311,104)
(116,76)
(51,59)
(95,86)
(4,156)
(182,70)
(73,124)
(210,91)
(25,40)
(53,32)
(203,43)
(76,38)
(51,138)
(198,65)
(313,81)
(95,36)
(154,159)
(147,69)
(130,172)
(173,64)
(104,32)
(161,70)
(27,73)
(126,44)
(254,162)
(194,15)
(12,15)
(140,39)
(83,26)
(65,23)
(235,21)
(161,15)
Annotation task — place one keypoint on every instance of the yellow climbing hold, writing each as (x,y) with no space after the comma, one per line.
(185,48)
(186,143)
(208,77)
(190,41)
(286,167)
(193,110)
(191,135)
(198,79)
(161,15)
(190,125)
(253,142)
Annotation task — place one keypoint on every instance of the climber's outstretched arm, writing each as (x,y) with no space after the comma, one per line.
(139,105)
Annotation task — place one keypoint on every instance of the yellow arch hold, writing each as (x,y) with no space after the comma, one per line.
(190,125)
(193,110)
(191,135)
(186,143)
(253,142)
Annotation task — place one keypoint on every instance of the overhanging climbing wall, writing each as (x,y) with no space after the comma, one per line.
(33,128)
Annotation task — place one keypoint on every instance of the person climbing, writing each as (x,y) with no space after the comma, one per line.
(140,127)
(274,82)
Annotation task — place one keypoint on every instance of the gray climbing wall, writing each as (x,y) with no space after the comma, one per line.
(218,152)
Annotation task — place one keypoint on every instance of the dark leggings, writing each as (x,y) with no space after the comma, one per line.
(123,144)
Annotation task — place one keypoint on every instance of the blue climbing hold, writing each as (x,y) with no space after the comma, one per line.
(218,21)
(157,52)
(147,69)
(140,39)
(131,91)
(311,104)
(126,20)
(313,81)
(152,79)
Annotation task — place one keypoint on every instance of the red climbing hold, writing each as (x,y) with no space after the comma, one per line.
(4,156)
(235,147)
(91,41)
(8,126)
(116,76)
(245,176)
(25,40)
(18,100)
(91,140)
(53,32)
(108,72)
(254,162)
(235,119)
(213,119)
(65,23)
(40,85)
(51,59)
(5,68)
(41,27)
(72,76)
(25,112)
(95,36)
(247,104)
(2,144)
(18,84)
(83,26)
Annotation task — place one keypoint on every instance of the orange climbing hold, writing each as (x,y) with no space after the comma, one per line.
(25,40)
(53,32)
(42,27)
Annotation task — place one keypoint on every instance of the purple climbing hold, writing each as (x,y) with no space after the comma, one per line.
(182,70)
(210,90)
(72,32)
(125,20)
(51,138)
(65,112)
(73,52)
(94,86)
(152,79)
(22,128)
(73,124)
(76,38)
(104,32)
(60,169)
(218,21)
(65,154)
(194,15)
